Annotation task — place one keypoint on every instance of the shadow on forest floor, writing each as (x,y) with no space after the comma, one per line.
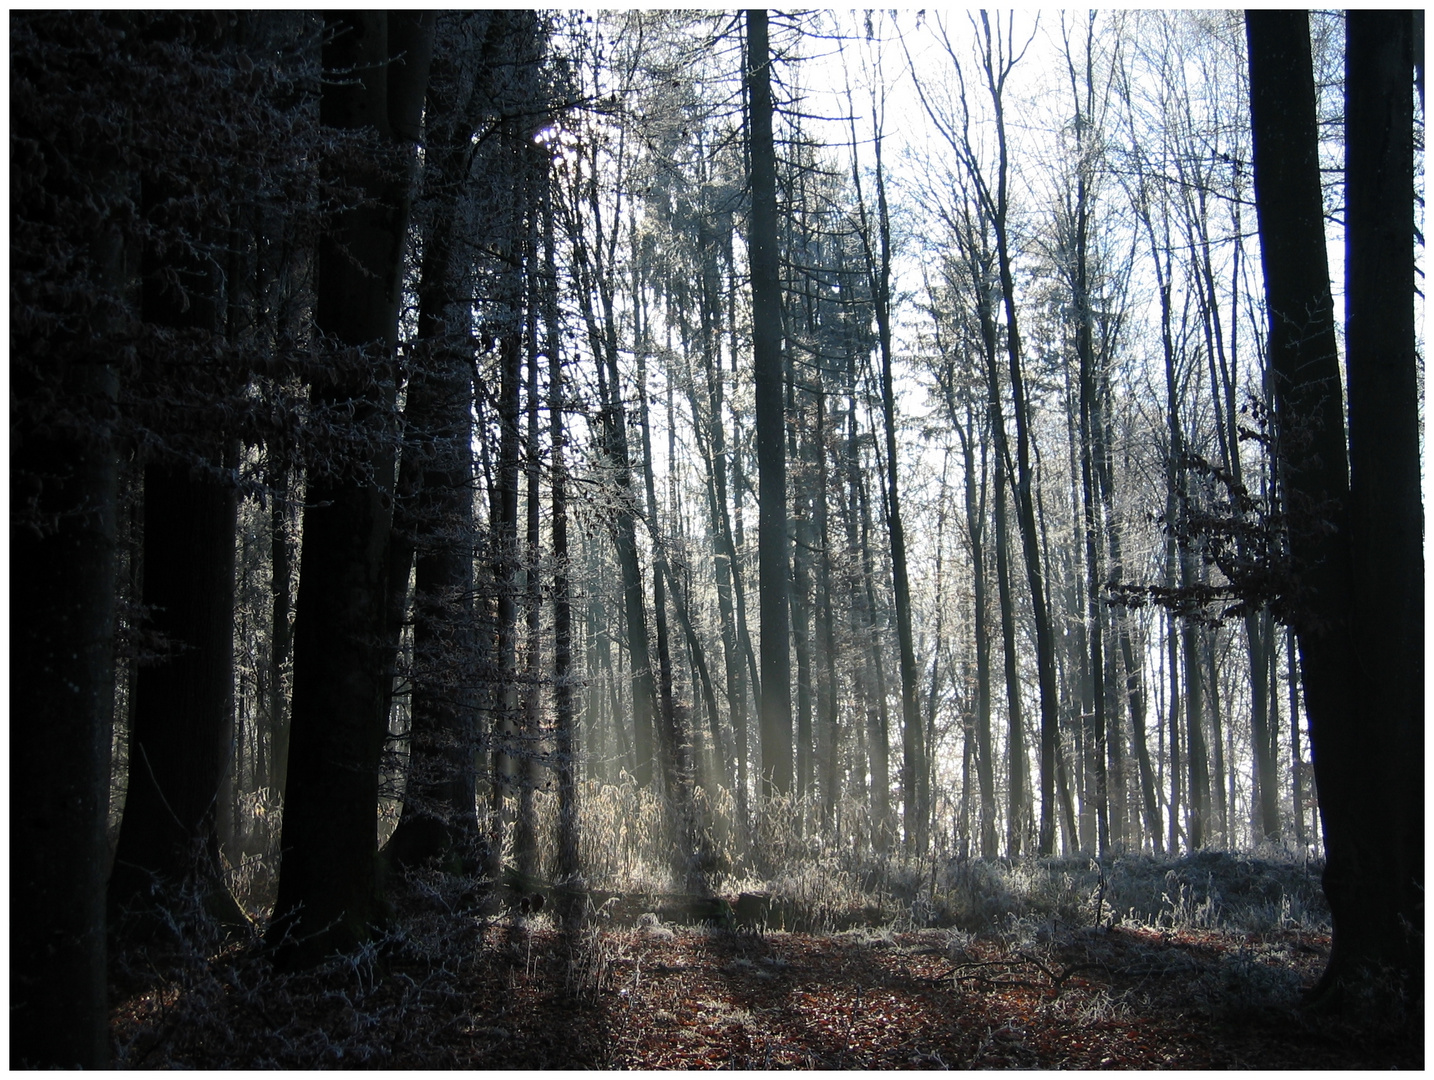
(447,988)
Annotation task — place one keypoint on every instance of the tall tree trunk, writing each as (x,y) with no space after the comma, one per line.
(182,713)
(1018,817)
(933,695)
(1265,801)
(801,595)
(914,781)
(733,521)
(281,564)
(1135,691)
(998,58)
(1172,664)
(507,756)
(1357,577)
(437,518)
(63,502)
(439,812)
(1063,780)
(565,747)
(976,530)
(669,745)
(1258,636)
(690,856)
(1297,765)
(1090,423)
(1198,781)
(1384,475)
(724,554)
(1210,666)
(59,798)
(878,718)
(1198,788)
(594,272)
(1025,499)
(829,730)
(327,888)
(1089,427)
(530,771)
(182,709)
(773,570)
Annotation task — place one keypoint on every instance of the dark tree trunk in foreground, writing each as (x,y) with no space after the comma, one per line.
(64,591)
(182,709)
(327,889)
(503,504)
(439,807)
(63,493)
(776,700)
(525,833)
(1386,512)
(183,703)
(1364,718)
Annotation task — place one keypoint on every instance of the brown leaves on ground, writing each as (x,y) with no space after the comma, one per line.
(1098,999)
(458,992)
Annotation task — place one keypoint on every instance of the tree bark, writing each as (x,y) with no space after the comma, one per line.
(872,768)
(506,756)
(327,887)
(1025,500)
(531,769)
(690,857)
(566,747)
(976,530)
(183,705)
(439,811)
(594,273)
(829,731)
(64,492)
(914,780)
(59,796)
(1384,476)
(182,711)
(1018,817)
(1089,426)
(281,562)
(773,569)
(724,555)
(1364,731)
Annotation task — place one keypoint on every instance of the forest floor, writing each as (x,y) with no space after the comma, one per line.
(457,991)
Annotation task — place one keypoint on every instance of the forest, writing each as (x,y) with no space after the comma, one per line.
(670,539)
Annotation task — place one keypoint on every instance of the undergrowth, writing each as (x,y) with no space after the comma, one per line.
(199,994)
(820,886)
